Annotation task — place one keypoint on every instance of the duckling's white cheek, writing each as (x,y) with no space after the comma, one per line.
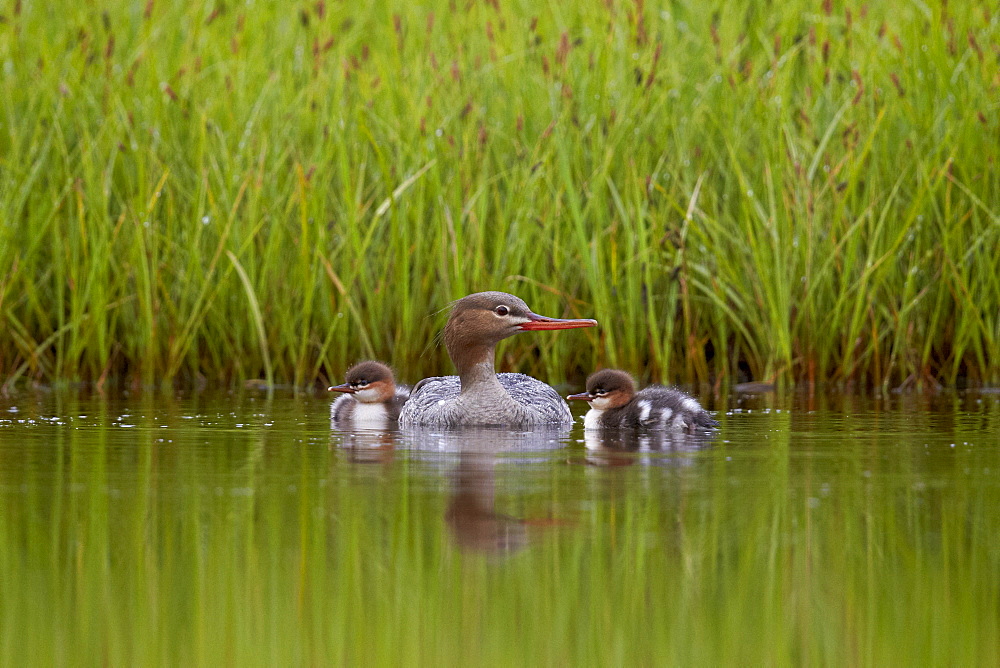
(601,403)
(367,396)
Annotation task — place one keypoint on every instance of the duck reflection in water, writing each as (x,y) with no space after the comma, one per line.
(471,515)
(366,446)
(625,447)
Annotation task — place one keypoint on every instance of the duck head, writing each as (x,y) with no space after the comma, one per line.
(480,321)
(369,382)
(607,388)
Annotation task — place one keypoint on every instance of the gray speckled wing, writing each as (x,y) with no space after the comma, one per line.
(535,394)
(428,401)
(428,392)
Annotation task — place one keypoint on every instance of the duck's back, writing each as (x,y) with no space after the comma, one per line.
(658,407)
(434,402)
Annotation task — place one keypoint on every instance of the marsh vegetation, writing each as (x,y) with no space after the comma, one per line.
(788,192)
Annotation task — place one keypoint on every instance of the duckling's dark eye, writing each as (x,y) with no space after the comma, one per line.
(501,310)
(600,392)
(360,383)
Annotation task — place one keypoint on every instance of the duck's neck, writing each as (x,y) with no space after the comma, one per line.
(473,353)
(476,370)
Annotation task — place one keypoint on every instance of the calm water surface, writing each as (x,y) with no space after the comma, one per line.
(233,530)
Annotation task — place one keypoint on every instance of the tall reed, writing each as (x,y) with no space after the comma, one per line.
(215,191)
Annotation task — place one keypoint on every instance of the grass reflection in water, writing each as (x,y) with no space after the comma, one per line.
(212,531)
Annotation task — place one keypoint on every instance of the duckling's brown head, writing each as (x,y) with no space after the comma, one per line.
(368,381)
(480,321)
(608,388)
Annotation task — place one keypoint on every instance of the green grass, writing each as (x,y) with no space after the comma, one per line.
(803,192)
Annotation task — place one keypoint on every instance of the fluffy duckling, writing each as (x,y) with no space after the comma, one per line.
(614,403)
(372,396)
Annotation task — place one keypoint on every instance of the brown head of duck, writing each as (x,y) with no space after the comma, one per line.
(480,321)
(368,382)
(607,388)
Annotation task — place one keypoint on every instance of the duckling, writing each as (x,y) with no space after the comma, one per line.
(614,403)
(372,398)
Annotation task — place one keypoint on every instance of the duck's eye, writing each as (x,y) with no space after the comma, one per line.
(359,383)
(600,392)
(501,310)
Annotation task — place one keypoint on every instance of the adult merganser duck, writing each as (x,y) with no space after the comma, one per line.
(614,403)
(372,398)
(478,395)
